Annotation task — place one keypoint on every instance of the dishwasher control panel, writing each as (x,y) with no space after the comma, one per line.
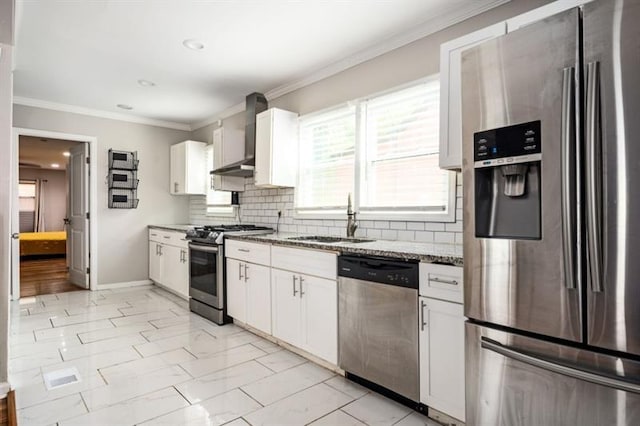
(380,270)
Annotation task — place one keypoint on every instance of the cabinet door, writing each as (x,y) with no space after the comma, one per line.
(450,93)
(225,152)
(195,166)
(262,175)
(319,299)
(236,290)
(170,260)
(258,280)
(285,306)
(178,171)
(442,356)
(154,261)
(181,276)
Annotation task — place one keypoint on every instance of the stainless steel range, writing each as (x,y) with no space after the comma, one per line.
(206,268)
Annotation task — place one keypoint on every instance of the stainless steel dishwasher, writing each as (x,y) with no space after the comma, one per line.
(378,322)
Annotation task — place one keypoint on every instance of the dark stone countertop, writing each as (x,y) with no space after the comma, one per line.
(408,250)
(175,228)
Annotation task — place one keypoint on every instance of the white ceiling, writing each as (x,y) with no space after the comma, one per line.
(91,54)
(40,153)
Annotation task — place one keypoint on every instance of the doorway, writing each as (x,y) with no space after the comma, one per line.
(53,192)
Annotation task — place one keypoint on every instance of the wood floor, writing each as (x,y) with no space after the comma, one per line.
(44,276)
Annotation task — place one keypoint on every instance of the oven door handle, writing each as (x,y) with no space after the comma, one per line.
(206,249)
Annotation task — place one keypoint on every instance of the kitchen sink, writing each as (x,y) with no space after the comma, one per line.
(329,240)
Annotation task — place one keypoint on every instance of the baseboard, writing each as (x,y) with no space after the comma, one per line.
(123,284)
(4,389)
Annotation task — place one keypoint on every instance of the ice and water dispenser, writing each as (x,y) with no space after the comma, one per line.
(507,182)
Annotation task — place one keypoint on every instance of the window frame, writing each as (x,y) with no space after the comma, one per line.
(448,215)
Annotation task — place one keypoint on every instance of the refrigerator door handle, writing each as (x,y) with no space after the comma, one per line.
(558,368)
(568,176)
(593,177)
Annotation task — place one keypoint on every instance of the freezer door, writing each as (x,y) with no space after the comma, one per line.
(612,57)
(526,76)
(515,380)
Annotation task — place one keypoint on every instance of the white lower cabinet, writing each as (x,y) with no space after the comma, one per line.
(249,284)
(169,261)
(442,369)
(305,312)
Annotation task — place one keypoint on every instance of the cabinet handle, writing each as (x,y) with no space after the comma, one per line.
(294,285)
(240,271)
(423,323)
(175,187)
(246,275)
(157,251)
(211,184)
(244,250)
(301,292)
(443,281)
(166,237)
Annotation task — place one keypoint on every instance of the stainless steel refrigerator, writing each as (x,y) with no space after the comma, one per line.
(551,169)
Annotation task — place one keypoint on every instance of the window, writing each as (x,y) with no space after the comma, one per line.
(384,150)
(327,151)
(218,202)
(27,196)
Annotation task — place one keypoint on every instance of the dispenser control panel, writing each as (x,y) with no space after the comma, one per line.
(511,144)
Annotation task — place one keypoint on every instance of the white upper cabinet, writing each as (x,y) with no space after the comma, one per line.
(188,168)
(228,147)
(450,93)
(276,148)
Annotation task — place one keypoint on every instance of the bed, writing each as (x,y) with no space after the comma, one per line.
(43,243)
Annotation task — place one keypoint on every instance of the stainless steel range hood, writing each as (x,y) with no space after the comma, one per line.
(256,103)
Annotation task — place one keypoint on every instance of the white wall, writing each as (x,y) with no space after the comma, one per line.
(408,63)
(55,198)
(5,202)
(122,234)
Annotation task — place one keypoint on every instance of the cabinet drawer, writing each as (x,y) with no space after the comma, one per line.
(172,238)
(311,262)
(441,282)
(249,252)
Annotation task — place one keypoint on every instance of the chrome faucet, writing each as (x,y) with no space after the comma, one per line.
(352,224)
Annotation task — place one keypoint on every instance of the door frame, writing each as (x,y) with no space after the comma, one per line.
(93,203)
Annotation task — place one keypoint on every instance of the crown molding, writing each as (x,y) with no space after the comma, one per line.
(425,29)
(38,103)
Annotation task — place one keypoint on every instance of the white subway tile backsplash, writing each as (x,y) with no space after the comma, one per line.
(424,236)
(261,206)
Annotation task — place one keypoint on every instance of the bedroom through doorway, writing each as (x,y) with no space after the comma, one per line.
(45,195)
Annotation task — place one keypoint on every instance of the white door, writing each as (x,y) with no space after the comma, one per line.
(78,229)
(320,316)
(285,306)
(155,271)
(236,290)
(442,365)
(258,296)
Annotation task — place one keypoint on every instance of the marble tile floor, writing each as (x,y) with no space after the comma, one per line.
(144,359)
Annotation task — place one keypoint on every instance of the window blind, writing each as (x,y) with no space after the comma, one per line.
(327,156)
(400,147)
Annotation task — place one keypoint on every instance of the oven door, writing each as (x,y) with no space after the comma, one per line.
(205,274)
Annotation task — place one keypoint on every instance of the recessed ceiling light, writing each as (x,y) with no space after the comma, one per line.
(193,44)
(55,165)
(125,106)
(66,154)
(146,83)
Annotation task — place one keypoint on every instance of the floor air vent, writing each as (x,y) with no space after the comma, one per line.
(59,378)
